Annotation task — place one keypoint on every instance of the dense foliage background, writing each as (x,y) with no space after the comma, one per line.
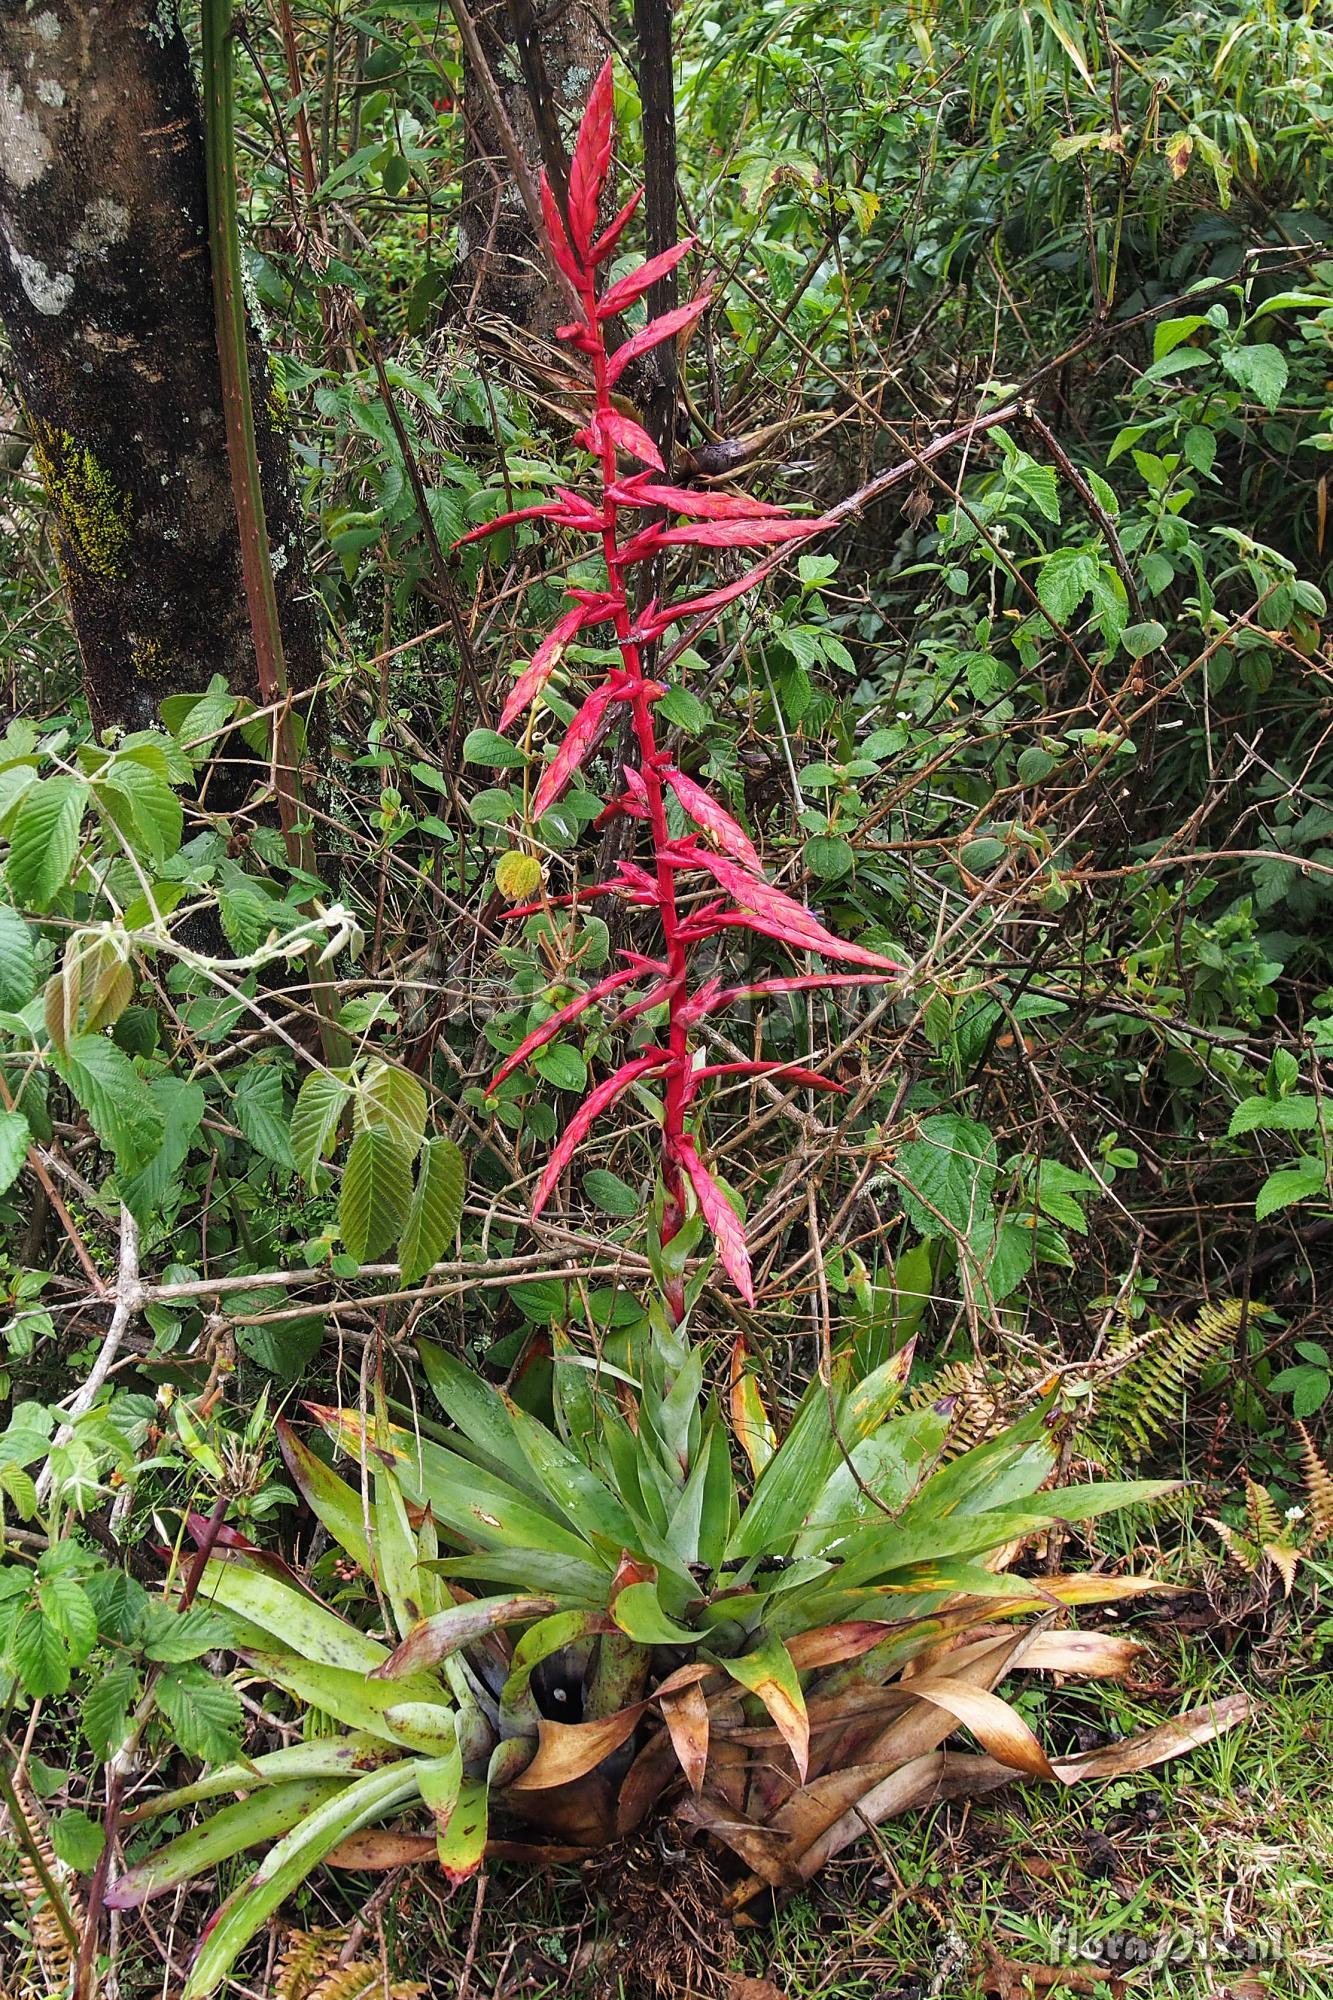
(1045,292)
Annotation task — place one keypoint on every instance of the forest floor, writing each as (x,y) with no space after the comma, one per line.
(1208,1879)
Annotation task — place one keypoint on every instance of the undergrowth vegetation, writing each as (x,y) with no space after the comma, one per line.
(741,1156)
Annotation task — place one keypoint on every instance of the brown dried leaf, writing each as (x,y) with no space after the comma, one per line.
(1010,1979)
(569,1750)
(373,1853)
(686,1716)
(762,1848)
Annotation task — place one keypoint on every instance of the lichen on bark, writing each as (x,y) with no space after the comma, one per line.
(106,296)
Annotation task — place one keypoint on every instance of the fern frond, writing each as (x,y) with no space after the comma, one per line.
(304,1959)
(1145,1379)
(1284,1558)
(1318,1489)
(308,1969)
(1243,1552)
(1265,1521)
(49,1935)
(983,1402)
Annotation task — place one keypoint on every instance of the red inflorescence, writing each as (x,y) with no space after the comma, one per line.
(748,901)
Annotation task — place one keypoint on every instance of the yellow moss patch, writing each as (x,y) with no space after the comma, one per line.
(93,513)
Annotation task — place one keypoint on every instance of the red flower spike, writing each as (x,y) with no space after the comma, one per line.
(627,291)
(555,230)
(562,1017)
(654,620)
(664,327)
(545,661)
(705,811)
(548,511)
(703,506)
(805,982)
(614,230)
(810,1079)
(643,546)
(747,534)
(781,916)
(591,162)
(588,1112)
(579,739)
(627,436)
(576,334)
(718,846)
(721,1218)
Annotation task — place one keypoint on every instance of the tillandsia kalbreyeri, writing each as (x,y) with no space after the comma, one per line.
(719,846)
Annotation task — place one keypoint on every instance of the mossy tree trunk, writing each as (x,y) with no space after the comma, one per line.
(542,60)
(106,295)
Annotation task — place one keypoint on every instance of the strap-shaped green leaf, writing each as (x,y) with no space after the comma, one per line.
(288,1863)
(767,1670)
(270,1812)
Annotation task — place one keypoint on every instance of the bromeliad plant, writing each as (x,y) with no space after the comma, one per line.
(786,1665)
(718,847)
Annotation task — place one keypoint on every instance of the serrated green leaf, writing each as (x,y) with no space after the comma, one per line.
(436,1206)
(1259,369)
(105,1715)
(947,1174)
(121,1108)
(155,810)
(204,1713)
(1065,579)
(1288,1185)
(376,1193)
(182,1107)
(18,960)
(1274,1114)
(68,1606)
(392,1099)
(44,839)
(14,1141)
(320,1104)
(77,1839)
(176,1636)
(258,1105)
(38,1655)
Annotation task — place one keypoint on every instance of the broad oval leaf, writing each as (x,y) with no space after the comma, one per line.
(437,1205)
(376,1193)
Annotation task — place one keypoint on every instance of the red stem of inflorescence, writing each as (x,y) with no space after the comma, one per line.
(748,901)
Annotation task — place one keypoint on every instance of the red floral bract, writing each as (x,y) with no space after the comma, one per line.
(749,901)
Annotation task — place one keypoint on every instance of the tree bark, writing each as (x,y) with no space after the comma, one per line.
(542,60)
(657,95)
(106,295)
